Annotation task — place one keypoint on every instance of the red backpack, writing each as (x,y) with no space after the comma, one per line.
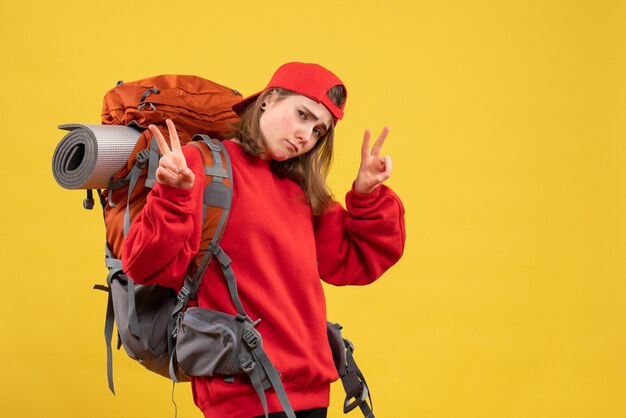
(195,105)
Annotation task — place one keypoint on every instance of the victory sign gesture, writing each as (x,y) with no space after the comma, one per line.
(374,169)
(172,170)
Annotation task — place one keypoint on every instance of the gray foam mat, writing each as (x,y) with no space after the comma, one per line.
(89,155)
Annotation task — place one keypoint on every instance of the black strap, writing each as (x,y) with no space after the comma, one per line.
(355,386)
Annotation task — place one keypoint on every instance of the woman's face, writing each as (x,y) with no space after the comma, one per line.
(291,126)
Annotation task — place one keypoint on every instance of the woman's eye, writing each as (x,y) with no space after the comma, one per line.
(301,114)
(317,132)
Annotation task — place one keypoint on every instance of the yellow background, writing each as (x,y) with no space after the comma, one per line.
(507,137)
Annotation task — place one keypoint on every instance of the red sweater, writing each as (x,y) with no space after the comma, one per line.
(279,251)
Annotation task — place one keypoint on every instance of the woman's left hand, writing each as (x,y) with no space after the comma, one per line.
(374,168)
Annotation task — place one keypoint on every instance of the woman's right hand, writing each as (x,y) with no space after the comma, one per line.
(172,170)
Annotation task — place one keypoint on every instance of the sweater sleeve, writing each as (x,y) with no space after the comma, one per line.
(165,236)
(356,246)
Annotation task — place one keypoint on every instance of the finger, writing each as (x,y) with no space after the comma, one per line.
(378,145)
(365,148)
(388,167)
(168,164)
(164,175)
(174,141)
(165,150)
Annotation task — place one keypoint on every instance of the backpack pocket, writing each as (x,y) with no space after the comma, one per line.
(142,314)
(154,306)
(210,343)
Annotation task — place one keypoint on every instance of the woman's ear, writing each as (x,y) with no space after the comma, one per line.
(270,97)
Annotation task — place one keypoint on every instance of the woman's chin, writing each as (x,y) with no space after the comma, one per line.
(282,156)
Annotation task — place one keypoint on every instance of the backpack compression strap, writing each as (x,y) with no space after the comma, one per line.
(355,386)
(115,268)
(353,381)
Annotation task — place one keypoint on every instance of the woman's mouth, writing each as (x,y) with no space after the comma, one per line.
(293,147)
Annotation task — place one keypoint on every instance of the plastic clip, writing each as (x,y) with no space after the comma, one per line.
(248,366)
(358,399)
(183,295)
(142,158)
(251,339)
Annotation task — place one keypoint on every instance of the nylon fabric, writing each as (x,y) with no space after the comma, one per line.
(194,104)
(153,163)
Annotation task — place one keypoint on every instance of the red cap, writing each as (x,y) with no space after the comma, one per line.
(310,80)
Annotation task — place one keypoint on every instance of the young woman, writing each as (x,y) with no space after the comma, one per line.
(284,234)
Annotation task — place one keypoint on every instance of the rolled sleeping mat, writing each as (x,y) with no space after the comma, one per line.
(90,155)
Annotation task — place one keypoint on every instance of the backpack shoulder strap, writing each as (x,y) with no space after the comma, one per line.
(217,197)
(217,194)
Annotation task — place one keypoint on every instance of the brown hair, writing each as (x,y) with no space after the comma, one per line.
(308,170)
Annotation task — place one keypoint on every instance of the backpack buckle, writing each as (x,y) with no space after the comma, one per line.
(358,398)
(142,158)
(183,295)
(248,366)
(251,338)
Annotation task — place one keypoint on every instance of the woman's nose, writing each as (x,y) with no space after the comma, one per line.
(305,134)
